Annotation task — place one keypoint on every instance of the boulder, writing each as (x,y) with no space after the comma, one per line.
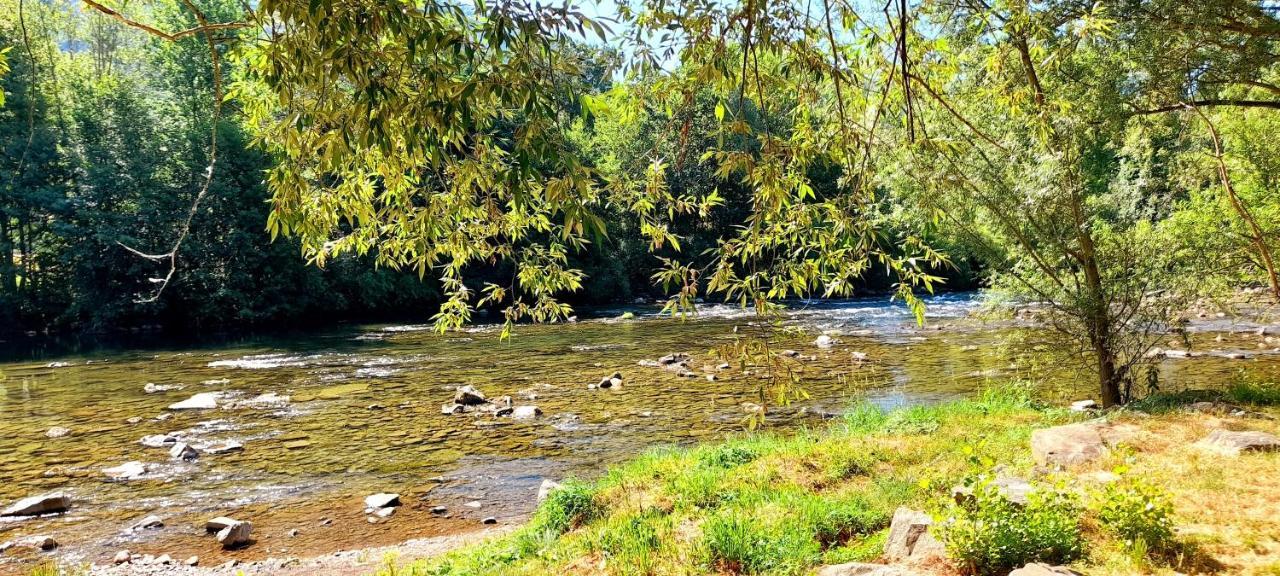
(122,557)
(489,520)
(680,358)
(158,441)
(1038,569)
(217,524)
(824,341)
(183,451)
(468,396)
(201,401)
(865,569)
(127,471)
(225,447)
(236,534)
(57,432)
(382,500)
(1233,443)
(909,538)
(1068,445)
(148,523)
(36,505)
(525,412)
(546,488)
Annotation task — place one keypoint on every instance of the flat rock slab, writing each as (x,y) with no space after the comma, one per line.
(381,500)
(1038,569)
(1069,445)
(909,538)
(1233,443)
(866,569)
(36,505)
(201,401)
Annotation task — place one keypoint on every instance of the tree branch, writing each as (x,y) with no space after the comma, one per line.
(203,28)
(1273,104)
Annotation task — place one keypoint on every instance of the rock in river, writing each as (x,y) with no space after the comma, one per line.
(127,471)
(36,505)
(158,441)
(824,341)
(148,523)
(235,534)
(382,500)
(226,447)
(525,412)
(469,396)
(58,432)
(201,401)
(183,451)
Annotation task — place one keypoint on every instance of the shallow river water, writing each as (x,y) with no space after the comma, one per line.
(329,418)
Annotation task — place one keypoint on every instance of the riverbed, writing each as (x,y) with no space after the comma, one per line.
(328,418)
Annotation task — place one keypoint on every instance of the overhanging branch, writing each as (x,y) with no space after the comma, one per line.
(204,28)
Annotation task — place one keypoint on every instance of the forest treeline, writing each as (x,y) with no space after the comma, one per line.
(105,138)
(1114,161)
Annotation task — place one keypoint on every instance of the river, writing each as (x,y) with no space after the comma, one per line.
(330,417)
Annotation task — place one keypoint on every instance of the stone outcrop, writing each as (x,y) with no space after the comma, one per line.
(909,538)
(1069,445)
(1234,443)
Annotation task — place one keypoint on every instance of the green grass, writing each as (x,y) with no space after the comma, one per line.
(783,503)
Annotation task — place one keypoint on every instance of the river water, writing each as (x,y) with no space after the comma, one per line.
(328,418)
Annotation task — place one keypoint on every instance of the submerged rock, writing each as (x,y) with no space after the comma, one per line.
(489,520)
(1234,443)
(824,341)
(148,523)
(452,409)
(36,505)
(128,471)
(40,542)
(201,401)
(158,441)
(226,447)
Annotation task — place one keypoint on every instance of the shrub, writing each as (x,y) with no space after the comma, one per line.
(990,534)
(729,456)
(1138,512)
(566,508)
(746,543)
(1255,393)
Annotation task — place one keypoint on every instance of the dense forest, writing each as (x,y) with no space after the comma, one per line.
(294,162)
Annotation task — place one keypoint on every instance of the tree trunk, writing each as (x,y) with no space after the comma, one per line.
(7,283)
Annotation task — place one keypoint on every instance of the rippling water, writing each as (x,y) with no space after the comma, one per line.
(329,418)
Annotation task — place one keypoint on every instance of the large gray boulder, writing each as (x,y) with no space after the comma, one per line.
(36,505)
(909,538)
(1233,443)
(1069,445)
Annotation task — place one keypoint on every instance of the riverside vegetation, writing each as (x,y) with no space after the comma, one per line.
(786,504)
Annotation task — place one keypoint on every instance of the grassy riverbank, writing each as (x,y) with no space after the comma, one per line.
(788,503)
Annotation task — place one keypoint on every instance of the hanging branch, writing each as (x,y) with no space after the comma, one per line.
(205,26)
(1256,235)
(172,255)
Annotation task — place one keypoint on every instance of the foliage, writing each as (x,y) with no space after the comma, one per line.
(989,534)
(1138,512)
(566,507)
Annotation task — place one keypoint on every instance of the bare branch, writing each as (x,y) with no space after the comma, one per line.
(204,28)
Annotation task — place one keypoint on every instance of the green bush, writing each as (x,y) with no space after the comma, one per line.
(729,456)
(990,535)
(566,508)
(1138,512)
(745,543)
